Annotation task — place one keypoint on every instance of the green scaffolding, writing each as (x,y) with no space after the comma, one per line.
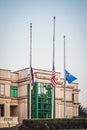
(41,100)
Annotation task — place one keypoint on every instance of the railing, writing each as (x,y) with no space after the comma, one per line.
(9,120)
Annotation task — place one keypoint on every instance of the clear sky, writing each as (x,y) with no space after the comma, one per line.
(71,20)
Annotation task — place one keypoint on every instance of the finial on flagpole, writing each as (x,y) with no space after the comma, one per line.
(30,25)
(64,36)
(54,17)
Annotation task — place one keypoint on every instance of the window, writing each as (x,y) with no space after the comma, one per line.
(1,110)
(14,91)
(2,89)
(72,97)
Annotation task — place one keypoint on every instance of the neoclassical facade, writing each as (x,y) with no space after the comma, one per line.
(14,96)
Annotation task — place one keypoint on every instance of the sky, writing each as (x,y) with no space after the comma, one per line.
(71,21)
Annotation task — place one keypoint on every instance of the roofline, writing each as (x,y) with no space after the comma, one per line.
(35,69)
(5,69)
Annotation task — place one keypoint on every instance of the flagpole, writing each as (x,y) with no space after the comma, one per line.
(30,70)
(53,65)
(64,78)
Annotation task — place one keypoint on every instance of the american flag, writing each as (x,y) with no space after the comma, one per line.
(53,79)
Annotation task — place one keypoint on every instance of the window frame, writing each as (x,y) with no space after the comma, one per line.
(2,89)
(14,91)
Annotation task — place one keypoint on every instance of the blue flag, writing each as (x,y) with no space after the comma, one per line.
(70,78)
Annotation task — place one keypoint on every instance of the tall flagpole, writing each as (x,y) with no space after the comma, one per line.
(64,78)
(53,65)
(30,70)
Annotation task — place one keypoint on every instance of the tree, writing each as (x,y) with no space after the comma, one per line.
(82,111)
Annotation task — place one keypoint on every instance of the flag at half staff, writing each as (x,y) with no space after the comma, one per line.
(53,79)
(32,76)
(70,78)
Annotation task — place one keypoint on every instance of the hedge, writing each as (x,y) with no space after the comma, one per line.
(54,124)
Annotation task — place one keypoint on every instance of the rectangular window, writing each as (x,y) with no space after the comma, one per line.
(73,97)
(14,91)
(2,89)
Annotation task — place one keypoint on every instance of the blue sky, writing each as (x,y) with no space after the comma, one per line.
(71,20)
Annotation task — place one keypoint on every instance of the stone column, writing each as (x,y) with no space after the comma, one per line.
(7,109)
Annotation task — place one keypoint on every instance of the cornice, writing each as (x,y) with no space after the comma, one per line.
(6,79)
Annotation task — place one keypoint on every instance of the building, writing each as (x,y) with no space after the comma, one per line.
(14,96)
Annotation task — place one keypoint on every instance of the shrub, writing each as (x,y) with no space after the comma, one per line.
(55,124)
(22,127)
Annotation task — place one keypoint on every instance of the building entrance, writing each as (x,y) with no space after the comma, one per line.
(41,100)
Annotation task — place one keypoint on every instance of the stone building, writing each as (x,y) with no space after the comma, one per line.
(14,96)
